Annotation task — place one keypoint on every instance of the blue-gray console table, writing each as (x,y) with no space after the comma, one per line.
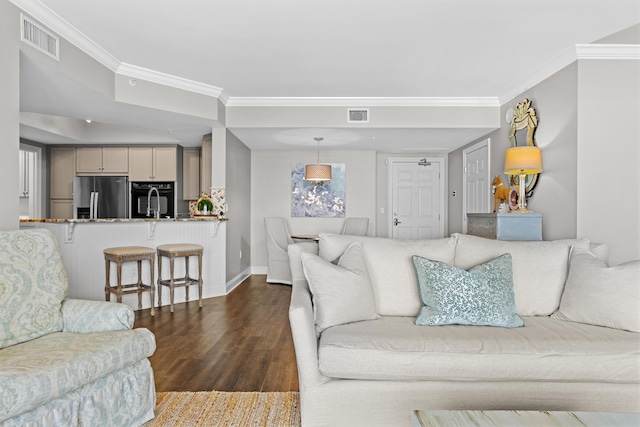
(505,226)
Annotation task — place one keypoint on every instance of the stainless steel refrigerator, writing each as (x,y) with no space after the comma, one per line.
(100,197)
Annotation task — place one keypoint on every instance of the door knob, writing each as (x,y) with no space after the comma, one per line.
(396,222)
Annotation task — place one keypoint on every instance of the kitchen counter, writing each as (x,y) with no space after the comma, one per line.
(82,242)
(63,220)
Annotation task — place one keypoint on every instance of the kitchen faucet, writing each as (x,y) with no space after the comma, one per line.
(157,211)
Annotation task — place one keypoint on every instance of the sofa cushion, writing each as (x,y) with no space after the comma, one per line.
(393,348)
(390,266)
(481,296)
(34,372)
(539,268)
(33,283)
(601,295)
(342,293)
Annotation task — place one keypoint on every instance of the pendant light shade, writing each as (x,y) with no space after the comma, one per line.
(317,172)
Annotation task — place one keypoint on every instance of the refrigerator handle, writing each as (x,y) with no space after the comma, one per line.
(91,206)
(96,198)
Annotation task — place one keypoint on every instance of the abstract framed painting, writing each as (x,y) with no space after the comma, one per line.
(318,200)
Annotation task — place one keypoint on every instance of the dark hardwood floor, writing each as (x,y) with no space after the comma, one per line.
(238,342)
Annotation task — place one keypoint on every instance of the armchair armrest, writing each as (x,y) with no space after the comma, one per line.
(84,316)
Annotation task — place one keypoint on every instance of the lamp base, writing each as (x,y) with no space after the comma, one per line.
(522,197)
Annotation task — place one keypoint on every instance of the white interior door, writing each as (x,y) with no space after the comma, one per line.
(477,180)
(416,205)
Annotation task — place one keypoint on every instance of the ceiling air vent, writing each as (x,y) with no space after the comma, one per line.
(36,36)
(358,115)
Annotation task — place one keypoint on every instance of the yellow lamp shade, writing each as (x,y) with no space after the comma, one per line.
(523,160)
(317,172)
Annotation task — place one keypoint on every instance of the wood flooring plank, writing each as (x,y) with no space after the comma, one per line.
(238,342)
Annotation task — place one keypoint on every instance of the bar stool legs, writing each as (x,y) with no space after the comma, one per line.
(173,251)
(124,254)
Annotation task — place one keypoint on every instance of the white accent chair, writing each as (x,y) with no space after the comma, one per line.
(356,226)
(278,240)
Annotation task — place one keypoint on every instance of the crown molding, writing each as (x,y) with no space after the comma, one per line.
(608,51)
(169,80)
(580,51)
(543,73)
(58,25)
(362,102)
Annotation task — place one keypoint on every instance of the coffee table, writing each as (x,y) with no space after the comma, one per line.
(522,418)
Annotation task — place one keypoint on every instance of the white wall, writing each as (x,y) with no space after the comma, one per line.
(9,115)
(271,193)
(609,155)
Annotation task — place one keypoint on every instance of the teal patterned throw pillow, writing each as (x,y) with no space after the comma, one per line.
(482,295)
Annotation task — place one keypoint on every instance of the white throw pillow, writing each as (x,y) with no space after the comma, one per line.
(390,265)
(601,295)
(342,293)
(539,268)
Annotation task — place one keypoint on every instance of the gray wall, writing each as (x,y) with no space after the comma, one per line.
(555,102)
(608,155)
(9,115)
(589,134)
(238,195)
(271,193)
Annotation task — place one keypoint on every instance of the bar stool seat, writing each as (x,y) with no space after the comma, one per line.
(173,251)
(124,254)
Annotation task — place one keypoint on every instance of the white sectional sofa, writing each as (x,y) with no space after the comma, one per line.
(579,349)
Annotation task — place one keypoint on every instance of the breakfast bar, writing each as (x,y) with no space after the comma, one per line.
(82,242)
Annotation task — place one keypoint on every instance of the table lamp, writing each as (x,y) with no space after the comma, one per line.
(523,161)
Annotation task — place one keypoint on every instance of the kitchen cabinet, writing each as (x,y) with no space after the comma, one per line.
(62,164)
(102,160)
(191,174)
(205,164)
(61,208)
(505,226)
(152,164)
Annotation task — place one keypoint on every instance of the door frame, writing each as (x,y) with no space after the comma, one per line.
(442,178)
(36,181)
(485,142)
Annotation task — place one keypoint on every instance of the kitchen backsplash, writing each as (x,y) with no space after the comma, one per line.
(217,196)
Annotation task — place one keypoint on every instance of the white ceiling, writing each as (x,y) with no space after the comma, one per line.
(324,49)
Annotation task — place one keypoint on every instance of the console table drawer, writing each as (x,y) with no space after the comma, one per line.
(506,226)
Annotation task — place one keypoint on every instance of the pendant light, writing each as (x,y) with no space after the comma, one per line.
(317,172)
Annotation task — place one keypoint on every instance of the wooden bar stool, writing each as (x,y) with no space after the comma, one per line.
(124,254)
(173,251)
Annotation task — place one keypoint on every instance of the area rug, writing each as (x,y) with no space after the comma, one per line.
(226,409)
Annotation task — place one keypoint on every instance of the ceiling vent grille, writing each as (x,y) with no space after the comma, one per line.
(41,39)
(358,115)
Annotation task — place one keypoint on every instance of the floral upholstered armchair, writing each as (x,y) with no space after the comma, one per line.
(64,361)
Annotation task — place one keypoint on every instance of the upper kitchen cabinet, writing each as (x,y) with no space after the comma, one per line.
(191,174)
(205,164)
(102,160)
(152,164)
(62,161)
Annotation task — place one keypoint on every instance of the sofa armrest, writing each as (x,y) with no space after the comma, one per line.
(305,340)
(83,316)
(295,251)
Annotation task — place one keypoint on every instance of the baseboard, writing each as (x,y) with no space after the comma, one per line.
(233,283)
(259,269)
